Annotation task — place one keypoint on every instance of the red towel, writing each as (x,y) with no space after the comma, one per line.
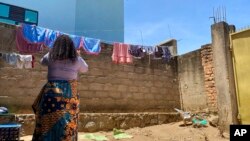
(121,53)
(24,46)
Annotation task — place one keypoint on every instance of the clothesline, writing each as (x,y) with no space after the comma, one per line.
(32,39)
(121,51)
(103,41)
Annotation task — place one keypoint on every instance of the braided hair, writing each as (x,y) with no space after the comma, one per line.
(63,48)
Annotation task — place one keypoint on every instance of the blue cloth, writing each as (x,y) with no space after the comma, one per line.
(3,110)
(10,125)
(51,36)
(34,34)
(77,40)
(57,130)
(91,46)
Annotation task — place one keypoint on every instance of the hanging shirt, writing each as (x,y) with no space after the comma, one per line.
(64,69)
(136,51)
(166,54)
(24,61)
(158,53)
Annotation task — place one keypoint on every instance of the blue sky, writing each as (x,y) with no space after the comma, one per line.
(149,22)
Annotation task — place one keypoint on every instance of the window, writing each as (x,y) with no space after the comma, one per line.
(31,16)
(4,10)
(14,15)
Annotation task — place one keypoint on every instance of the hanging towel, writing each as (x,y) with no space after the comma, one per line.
(24,61)
(50,37)
(91,45)
(40,35)
(24,46)
(121,53)
(77,40)
(34,34)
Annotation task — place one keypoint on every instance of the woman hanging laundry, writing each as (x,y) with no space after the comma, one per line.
(57,105)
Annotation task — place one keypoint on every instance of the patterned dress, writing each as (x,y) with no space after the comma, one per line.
(56,109)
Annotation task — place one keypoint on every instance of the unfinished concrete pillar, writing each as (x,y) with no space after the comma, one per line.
(224,79)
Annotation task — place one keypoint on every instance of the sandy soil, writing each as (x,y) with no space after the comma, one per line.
(165,132)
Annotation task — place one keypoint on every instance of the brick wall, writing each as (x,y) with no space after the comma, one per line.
(107,87)
(207,63)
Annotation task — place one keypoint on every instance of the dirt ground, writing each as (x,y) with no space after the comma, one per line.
(165,132)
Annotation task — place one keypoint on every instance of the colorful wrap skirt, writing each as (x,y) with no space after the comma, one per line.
(56,109)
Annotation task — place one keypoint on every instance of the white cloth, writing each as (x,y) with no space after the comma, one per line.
(149,49)
(24,61)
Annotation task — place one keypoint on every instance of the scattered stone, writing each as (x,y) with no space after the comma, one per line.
(91,126)
(124,125)
(153,121)
(213,120)
(161,119)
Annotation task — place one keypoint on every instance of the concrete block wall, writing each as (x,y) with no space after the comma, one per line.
(92,122)
(191,79)
(138,87)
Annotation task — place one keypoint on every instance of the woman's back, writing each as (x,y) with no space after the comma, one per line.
(64,69)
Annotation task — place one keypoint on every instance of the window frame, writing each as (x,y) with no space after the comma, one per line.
(24,9)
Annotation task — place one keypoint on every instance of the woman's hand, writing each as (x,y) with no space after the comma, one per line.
(78,52)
